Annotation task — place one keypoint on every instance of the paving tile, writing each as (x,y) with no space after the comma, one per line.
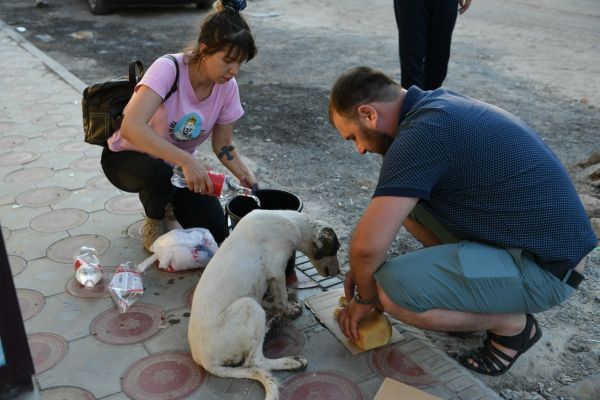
(17,264)
(433,363)
(70,146)
(86,164)
(47,350)
(138,324)
(8,194)
(325,353)
(371,385)
(15,217)
(29,175)
(173,334)
(459,384)
(42,196)
(471,393)
(125,249)
(439,391)
(64,250)
(325,384)
(31,302)
(424,354)
(29,244)
(163,375)
(18,157)
(127,203)
(105,224)
(100,183)
(166,289)
(93,366)
(329,282)
(411,345)
(215,388)
(392,362)
(68,316)
(71,179)
(116,396)
(448,373)
(66,392)
(7,169)
(88,200)
(45,276)
(58,220)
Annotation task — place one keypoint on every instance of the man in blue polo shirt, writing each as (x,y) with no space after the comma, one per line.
(504,232)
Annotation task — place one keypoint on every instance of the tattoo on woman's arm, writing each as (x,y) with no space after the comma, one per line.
(226,151)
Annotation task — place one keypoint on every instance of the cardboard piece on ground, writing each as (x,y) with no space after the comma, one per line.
(391,389)
(323,306)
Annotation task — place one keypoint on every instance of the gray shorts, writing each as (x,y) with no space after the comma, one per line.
(468,276)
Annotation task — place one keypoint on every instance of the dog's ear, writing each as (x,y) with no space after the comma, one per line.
(326,243)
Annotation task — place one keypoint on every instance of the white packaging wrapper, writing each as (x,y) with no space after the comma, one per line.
(181,249)
(126,286)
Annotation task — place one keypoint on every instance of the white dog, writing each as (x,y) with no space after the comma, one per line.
(227,324)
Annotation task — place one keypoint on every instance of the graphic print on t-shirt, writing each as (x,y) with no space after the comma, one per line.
(189,127)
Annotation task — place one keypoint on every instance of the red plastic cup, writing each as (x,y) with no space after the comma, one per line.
(217,180)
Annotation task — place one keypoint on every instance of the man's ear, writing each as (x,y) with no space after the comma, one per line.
(368,114)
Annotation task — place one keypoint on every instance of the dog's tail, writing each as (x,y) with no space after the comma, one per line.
(268,381)
(141,267)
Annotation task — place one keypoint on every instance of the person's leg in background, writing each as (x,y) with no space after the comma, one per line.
(439,39)
(139,173)
(412,20)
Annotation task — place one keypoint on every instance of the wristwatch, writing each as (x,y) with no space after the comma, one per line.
(360,300)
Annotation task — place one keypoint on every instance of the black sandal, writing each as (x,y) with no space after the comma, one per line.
(489,358)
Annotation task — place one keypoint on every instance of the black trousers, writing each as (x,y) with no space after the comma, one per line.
(136,172)
(424,36)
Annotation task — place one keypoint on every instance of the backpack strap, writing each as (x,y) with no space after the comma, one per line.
(174,87)
(136,71)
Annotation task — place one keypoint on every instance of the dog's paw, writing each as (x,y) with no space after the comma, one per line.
(275,322)
(301,361)
(294,309)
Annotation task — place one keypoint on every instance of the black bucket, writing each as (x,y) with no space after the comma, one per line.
(270,199)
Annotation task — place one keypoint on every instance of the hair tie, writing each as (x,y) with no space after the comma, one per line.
(234,5)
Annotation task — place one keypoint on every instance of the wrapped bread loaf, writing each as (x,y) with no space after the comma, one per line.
(374,330)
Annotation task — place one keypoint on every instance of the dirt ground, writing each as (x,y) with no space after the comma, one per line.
(537,59)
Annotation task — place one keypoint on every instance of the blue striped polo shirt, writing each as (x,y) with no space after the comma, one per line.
(487,176)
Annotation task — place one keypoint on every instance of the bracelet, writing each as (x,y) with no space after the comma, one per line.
(360,300)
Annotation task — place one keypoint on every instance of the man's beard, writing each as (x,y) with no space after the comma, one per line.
(378,141)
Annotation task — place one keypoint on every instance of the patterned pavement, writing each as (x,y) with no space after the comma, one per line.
(54,198)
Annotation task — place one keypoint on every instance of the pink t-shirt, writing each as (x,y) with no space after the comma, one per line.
(182,119)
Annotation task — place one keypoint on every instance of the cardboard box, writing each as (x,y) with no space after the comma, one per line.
(323,306)
(391,389)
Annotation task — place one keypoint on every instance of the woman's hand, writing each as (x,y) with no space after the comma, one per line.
(249,181)
(196,177)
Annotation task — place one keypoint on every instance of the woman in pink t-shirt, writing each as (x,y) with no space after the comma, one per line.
(160,131)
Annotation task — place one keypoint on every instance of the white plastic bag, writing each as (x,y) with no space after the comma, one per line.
(182,249)
(126,286)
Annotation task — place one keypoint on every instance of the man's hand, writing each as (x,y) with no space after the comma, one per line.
(349,286)
(349,317)
(463,5)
